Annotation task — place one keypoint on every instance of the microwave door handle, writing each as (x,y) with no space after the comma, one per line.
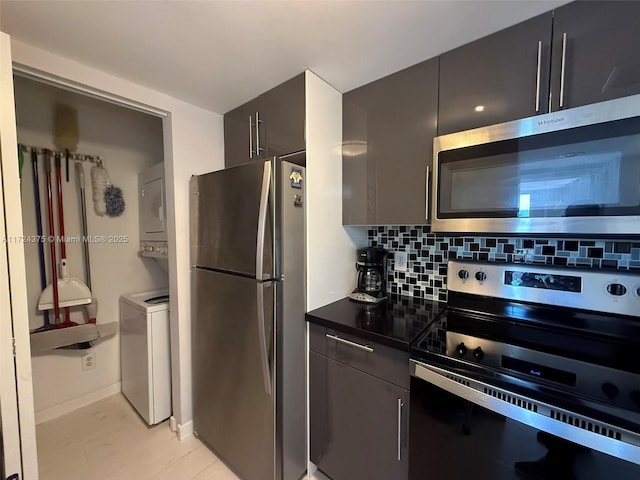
(262,220)
(427,189)
(563,68)
(538,71)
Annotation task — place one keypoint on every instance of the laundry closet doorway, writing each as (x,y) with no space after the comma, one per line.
(105,140)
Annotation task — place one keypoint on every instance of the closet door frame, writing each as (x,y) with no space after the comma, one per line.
(16,388)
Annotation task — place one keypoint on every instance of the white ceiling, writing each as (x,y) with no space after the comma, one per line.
(218,54)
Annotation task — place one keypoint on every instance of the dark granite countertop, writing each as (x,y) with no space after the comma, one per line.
(395,322)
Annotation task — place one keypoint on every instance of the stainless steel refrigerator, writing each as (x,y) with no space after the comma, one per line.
(248,304)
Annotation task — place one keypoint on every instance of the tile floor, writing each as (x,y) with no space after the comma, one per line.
(108,440)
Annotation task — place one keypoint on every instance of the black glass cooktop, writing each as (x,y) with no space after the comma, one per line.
(395,322)
(607,340)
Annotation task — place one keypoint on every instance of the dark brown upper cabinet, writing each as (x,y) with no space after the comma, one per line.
(388,130)
(581,53)
(270,125)
(501,77)
(597,41)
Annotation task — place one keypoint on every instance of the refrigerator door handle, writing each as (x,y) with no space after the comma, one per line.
(262,338)
(262,220)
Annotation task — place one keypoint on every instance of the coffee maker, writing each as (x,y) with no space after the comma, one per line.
(371,266)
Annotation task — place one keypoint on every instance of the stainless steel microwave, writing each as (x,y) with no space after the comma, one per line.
(575,171)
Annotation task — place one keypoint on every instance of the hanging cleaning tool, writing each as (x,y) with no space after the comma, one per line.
(65,291)
(114,201)
(99,181)
(20,162)
(92,308)
(83,212)
(107,198)
(85,334)
(65,127)
(63,244)
(43,270)
(66,131)
(52,288)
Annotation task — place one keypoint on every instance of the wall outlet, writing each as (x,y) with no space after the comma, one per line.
(400,264)
(88,361)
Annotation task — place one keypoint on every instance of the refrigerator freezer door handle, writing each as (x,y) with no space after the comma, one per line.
(262,220)
(264,354)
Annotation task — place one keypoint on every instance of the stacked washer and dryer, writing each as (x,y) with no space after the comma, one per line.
(145,347)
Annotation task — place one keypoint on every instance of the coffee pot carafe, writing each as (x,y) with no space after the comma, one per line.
(369,279)
(371,267)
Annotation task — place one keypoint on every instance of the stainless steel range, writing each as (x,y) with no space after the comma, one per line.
(532,372)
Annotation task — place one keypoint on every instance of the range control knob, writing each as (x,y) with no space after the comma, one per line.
(478,354)
(464,274)
(481,276)
(616,289)
(610,390)
(461,349)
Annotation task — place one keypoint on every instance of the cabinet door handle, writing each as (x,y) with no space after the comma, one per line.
(347,342)
(250,138)
(563,68)
(400,405)
(427,191)
(538,71)
(259,149)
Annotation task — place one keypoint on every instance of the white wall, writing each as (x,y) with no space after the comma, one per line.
(193,143)
(129,141)
(331,249)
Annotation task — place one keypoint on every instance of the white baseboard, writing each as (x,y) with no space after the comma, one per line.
(173,423)
(76,403)
(185,430)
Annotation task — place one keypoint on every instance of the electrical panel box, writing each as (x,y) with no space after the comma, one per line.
(153,212)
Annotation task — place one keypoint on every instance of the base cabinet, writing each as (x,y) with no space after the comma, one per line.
(358,423)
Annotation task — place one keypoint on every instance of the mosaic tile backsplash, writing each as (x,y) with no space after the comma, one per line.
(428,253)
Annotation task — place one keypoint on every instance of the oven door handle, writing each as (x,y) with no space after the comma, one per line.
(624,444)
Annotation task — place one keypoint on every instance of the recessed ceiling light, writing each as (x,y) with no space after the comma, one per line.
(479,108)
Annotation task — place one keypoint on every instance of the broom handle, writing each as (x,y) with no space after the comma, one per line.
(63,248)
(36,189)
(52,245)
(83,210)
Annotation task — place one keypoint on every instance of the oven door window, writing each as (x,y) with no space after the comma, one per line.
(454,439)
(586,171)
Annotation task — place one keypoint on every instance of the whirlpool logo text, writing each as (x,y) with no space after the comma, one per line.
(542,123)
